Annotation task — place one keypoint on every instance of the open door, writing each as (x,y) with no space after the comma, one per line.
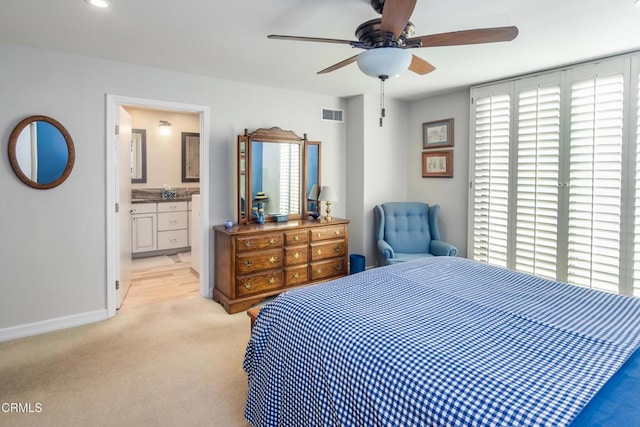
(123,193)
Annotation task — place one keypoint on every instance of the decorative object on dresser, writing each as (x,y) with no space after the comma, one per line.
(254,261)
(276,170)
(327,195)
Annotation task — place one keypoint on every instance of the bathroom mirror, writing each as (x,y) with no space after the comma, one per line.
(41,152)
(272,174)
(138,156)
(190,157)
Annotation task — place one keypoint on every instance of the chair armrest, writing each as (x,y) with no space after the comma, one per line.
(385,249)
(440,248)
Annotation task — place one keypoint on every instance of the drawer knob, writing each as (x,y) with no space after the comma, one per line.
(248,263)
(338,249)
(297,255)
(248,285)
(296,275)
(272,280)
(337,232)
(272,241)
(248,244)
(273,259)
(318,270)
(296,238)
(319,252)
(337,267)
(319,235)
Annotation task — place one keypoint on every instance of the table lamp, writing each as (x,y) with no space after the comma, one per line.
(327,195)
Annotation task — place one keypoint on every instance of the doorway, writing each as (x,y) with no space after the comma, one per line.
(115,215)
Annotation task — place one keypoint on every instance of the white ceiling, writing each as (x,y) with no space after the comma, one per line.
(227,39)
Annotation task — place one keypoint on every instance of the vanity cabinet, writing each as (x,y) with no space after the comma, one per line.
(159,228)
(255,261)
(144,228)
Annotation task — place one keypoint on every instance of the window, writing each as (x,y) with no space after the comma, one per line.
(548,193)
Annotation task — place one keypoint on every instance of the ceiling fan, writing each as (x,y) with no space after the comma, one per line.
(386,40)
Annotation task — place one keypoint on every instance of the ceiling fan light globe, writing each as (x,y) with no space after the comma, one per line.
(384,61)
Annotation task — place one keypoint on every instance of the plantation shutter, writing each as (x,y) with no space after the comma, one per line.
(595,182)
(289,178)
(491,179)
(537,178)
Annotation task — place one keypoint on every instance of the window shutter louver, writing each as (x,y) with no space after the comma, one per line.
(289,177)
(491,180)
(538,158)
(595,170)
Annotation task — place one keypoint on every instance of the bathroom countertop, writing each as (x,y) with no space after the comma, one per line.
(161,200)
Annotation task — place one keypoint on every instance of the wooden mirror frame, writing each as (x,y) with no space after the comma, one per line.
(244,168)
(13,159)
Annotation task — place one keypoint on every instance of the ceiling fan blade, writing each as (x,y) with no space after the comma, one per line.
(483,35)
(339,65)
(312,39)
(420,66)
(395,15)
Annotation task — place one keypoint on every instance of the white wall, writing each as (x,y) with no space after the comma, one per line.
(53,246)
(450,193)
(377,168)
(164,152)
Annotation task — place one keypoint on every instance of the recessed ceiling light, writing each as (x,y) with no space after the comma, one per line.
(98,3)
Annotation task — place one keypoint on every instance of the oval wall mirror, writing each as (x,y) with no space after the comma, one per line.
(41,152)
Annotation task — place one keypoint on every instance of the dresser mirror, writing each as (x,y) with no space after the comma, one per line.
(313,185)
(41,152)
(273,167)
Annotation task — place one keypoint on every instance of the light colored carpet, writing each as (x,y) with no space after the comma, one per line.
(177,363)
(152,262)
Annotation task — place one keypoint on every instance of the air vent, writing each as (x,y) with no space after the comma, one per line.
(329,115)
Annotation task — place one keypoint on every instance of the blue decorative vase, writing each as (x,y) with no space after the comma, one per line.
(260,219)
(228,223)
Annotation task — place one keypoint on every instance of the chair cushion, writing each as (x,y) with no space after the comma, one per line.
(406,227)
(401,257)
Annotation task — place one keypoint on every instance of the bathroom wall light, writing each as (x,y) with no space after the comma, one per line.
(98,3)
(164,127)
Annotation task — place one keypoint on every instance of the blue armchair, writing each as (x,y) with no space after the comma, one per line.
(408,230)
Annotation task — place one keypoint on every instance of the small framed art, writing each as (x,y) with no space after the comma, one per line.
(437,134)
(437,164)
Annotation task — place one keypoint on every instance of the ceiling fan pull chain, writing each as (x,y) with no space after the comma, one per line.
(382,109)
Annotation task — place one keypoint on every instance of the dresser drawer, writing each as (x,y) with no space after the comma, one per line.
(331,249)
(297,255)
(172,239)
(296,275)
(263,260)
(172,221)
(257,283)
(265,241)
(324,269)
(326,233)
(296,237)
(172,206)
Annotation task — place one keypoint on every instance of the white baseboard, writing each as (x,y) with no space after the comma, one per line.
(50,325)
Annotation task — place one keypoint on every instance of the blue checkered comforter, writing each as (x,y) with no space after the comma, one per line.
(438,342)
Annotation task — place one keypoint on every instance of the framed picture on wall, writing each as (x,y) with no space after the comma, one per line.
(437,164)
(437,134)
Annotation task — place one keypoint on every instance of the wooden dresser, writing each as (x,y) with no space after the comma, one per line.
(254,261)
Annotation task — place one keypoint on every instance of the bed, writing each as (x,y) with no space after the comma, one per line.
(444,342)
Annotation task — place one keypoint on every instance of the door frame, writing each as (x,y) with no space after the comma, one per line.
(113,226)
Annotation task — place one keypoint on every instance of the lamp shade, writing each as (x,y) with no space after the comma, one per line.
(327,194)
(384,61)
(313,194)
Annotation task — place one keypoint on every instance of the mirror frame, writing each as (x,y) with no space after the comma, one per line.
(277,135)
(13,159)
(143,155)
(306,175)
(184,137)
